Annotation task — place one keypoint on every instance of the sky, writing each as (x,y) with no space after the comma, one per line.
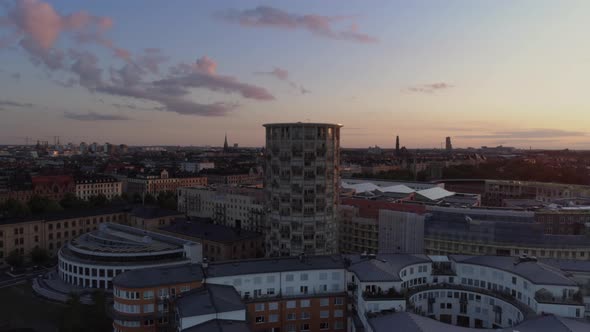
(183,72)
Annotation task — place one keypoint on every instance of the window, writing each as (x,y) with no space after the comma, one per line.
(303,289)
(305,327)
(291,316)
(289,290)
(338,325)
(291,304)
(305,315)
(259,319)
(148,308)
(273,306)
(323,276)
(339,301)
(304,303)
(270,291)
(335,275)
(303,276)
(259,307)
(272,318)
(339,313)
(514,280)
(291,328)
(324,326)
(148,294)
(324,314)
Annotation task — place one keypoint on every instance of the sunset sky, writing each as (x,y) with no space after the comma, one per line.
(177,72)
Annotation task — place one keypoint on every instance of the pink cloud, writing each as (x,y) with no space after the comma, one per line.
(269,17)
(206,65)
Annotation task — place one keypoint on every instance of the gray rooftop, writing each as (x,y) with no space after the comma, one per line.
(151,277)
(386,267)
(209,299)
(203,228)
(220,325)
(282,264)
(537,272)
(408,322)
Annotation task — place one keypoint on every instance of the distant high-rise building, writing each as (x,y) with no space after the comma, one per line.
(397,145)
(448,145)
(301,182)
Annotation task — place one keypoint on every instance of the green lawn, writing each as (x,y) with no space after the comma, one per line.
(20,308)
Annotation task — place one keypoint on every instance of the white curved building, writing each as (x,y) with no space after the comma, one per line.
(93,259)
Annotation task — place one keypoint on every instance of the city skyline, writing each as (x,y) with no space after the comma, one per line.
(494,73)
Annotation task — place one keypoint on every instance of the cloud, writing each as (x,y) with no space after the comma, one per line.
(202,74)
(283,75)
(11,103)
(86,67)
(151,59)
(269,17)
(92,116)
(527,134)
(37,26)
(429,88)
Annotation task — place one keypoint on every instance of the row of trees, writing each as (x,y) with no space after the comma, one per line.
(38,256)
(40,205)
(77,317)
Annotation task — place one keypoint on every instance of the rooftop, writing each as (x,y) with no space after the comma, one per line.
(220,325)
(267,265)
(152,277)
(535,271)
(409,322)
(435,193)
(153,212)
(203,228)
(385,267)
(209,299)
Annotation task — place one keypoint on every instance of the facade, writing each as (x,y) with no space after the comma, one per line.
(225,205)
(93,259)
(498,190)
(155,184)
(360,221)
(234,178)
(219,242)
(89,186)
(144,299)
(354,293)
(302,185)
(50,232)
(564,221)
(195,167)
(400,232)
(497,232)
(53,186)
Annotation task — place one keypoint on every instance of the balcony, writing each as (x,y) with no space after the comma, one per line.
(544,296)
(390,294)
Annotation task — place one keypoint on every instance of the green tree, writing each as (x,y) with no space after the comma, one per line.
(15,259)
(39,256)
(14,208)
(97,315)
(73,319)
(98,200)
(149,199)
(39,204)
(70,201)
(167,200)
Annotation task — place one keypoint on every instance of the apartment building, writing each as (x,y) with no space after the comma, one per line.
(155,184)
(497,232)
(358,292)
(237,207)
(498,190)
(51,231)
(88,186)
(302,183)
(219,242)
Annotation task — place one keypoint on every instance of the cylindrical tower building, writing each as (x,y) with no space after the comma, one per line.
(302,182)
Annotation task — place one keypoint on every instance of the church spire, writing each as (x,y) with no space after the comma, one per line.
(225,147)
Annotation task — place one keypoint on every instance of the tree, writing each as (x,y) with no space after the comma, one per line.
(70,201)
(73,319)
(97,315)
(39,204)
(167,200)
(15,259)
(149,199)
(137,198)
(98,200)
(14,208)
(39,256)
